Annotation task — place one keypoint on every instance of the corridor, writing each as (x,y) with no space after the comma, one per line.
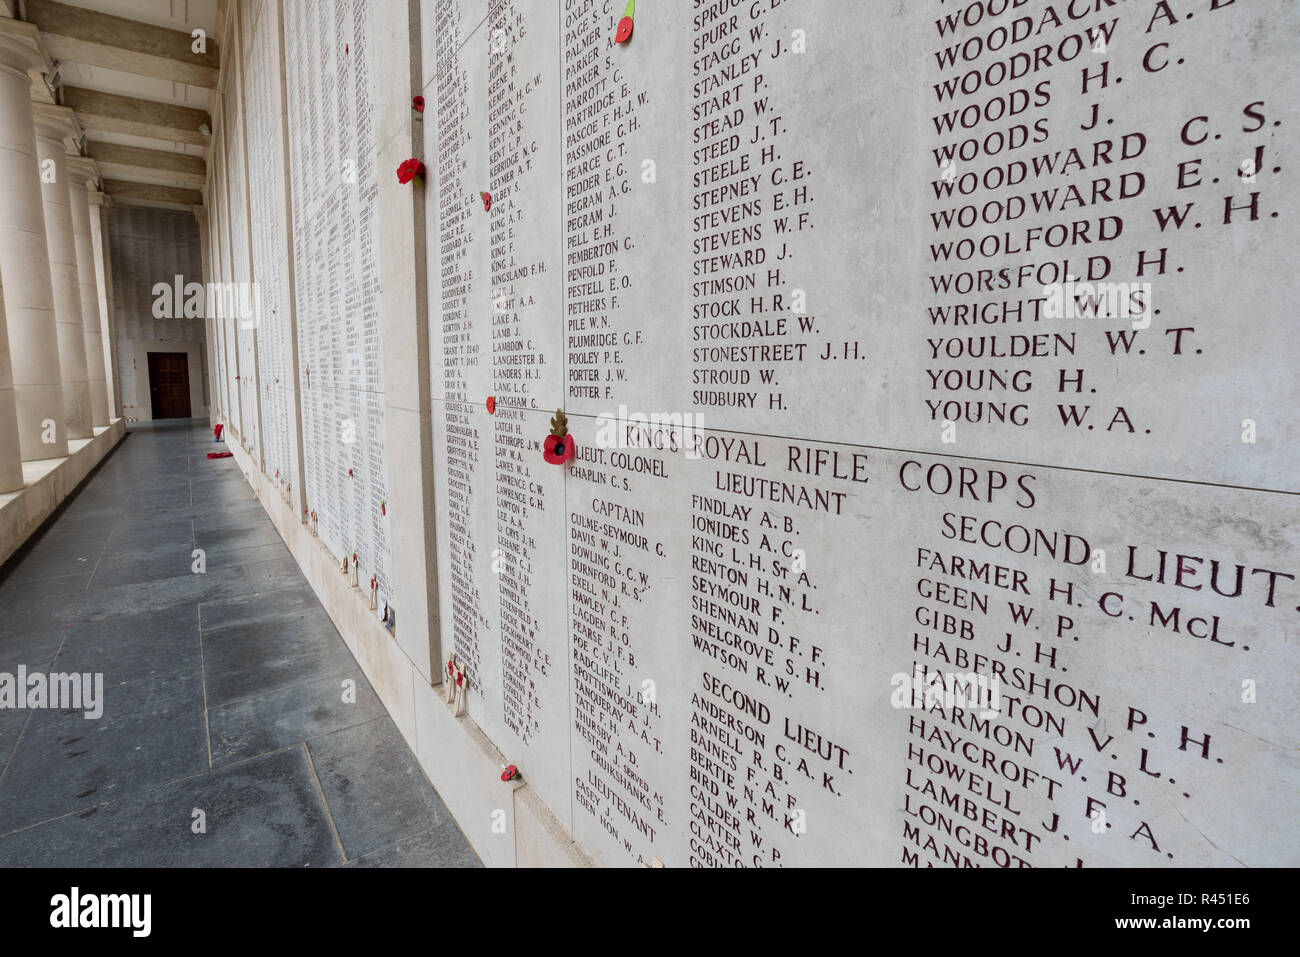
(227,736)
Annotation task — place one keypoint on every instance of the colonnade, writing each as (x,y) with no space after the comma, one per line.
(56,329)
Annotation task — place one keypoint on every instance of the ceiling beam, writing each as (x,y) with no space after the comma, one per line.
(117,160)
(109,113)
(77,35)
(146,194)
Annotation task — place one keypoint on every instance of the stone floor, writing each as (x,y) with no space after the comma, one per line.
(222,691)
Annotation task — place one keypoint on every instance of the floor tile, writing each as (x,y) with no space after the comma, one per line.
(375,789)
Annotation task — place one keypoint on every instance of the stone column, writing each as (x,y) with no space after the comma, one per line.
(82,174)
(25,265)
(53,125)
(214,403)
(99,203)
(105,252)
(11,459)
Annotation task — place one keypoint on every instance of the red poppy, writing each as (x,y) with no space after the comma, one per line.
(418,103)
(510,773)
(625,25)
(487,202)
(460,679)
(559,450)
(492,405)
(411,169)
(451,670)
(558,447)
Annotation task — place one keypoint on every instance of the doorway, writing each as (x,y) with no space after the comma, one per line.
(169,385)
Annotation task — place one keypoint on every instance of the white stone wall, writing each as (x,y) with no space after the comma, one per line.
(818,242)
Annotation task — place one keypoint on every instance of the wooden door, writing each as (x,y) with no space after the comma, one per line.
(169,385)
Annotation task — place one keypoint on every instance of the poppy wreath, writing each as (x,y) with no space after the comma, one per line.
(558,447)
(411,169)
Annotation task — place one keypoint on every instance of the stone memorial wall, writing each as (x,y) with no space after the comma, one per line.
(243,324)
(266,179)
(227,320)
(901,344)
(329,57)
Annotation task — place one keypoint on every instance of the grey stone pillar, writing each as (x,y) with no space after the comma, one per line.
(54,124)
(105,250)
(25,265)
(11,459)
(99,204)
(82,174)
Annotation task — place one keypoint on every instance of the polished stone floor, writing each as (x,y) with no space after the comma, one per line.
(225,739)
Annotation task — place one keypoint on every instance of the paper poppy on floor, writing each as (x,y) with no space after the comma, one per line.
(510,773)
(411,169)
(418,104)
(558,447)
(625,25)
(487,202)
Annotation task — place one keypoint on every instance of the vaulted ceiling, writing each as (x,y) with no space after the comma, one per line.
(141,93)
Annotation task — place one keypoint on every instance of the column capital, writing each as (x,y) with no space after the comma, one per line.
(82,170)
(20,48)
(56,122)
(99,198)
